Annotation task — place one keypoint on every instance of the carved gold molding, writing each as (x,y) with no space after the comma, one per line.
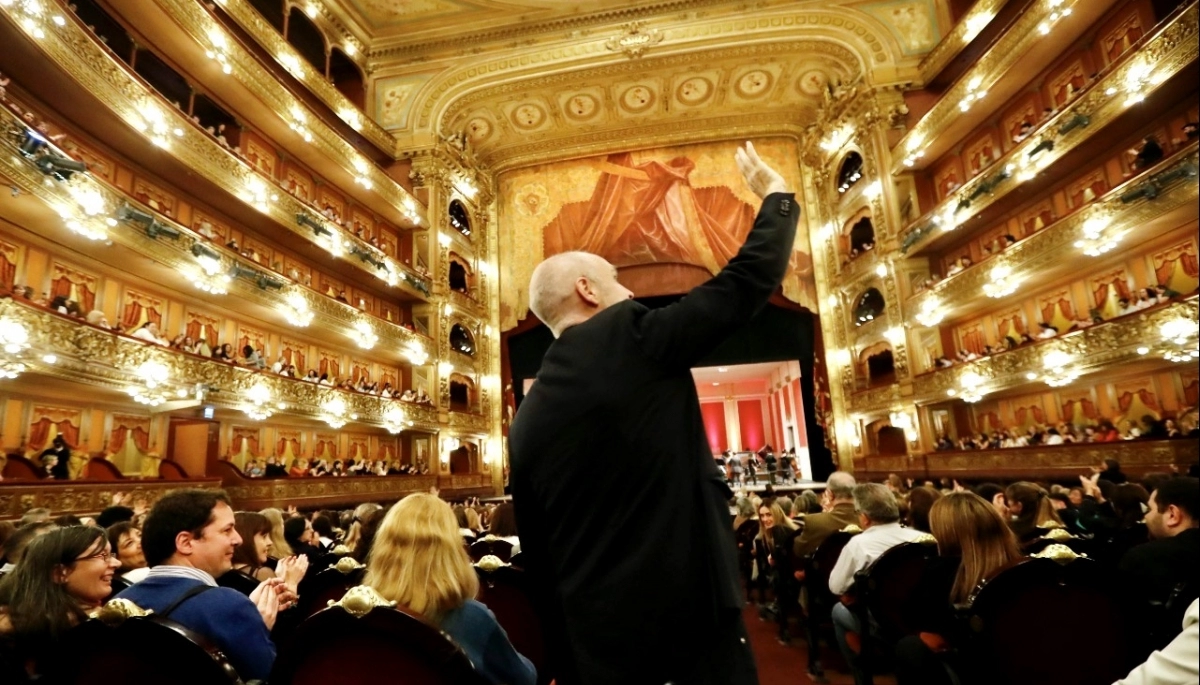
(265,34)
(958,38)
(93,356)
(1169,52)
(177,254)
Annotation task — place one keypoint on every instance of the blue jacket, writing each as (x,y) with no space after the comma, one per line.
(474,628)
(226,617)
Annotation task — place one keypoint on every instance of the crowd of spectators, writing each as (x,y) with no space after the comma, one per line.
(1147,428)
(250,567)
(274,467)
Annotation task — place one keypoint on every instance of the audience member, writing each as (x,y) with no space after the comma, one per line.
(126,543)
(1151,571)
(189,539)
(1028,509)
(504,525)
(1178,662)
(279,544)
(839,488)
(879,517)
(920,499)
(63,575)
(14,547)
(298,533)
(419,562)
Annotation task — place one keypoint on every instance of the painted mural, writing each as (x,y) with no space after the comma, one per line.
(683,205)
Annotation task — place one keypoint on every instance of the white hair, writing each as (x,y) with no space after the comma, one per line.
(553,285)
(840,485)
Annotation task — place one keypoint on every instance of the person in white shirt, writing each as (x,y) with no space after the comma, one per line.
(149,332)
(879,517)
(1176,664)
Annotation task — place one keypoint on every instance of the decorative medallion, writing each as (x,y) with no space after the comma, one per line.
(635,41)
(694,91)
(637,99)
(479,129)
(812,82)
(528,116)
(754,83)
(581,107)
(531,200)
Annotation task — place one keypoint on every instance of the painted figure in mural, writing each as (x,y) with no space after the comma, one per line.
(614,397)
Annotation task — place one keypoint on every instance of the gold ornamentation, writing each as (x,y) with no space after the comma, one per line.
(360,600)
(340,550)
(347,564)
(635,40)
(853,529)
(490,562)
(1060,553)
(1057,534)
(117,610)
(925,539)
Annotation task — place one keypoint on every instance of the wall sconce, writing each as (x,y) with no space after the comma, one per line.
(29,15)
(150,120)
(1095,242)
(154,376)
(209,274)
(334,412)
(1055,363)
(417,355)
(395,420)
(362,167)
(894,335)
(445,368)
(352,118)
(14,340)
(974,94)
(837,138)
(364,334)
(874,190)
(1179,335)
(904,422)
(299,122)
(1002,284)
(295,308)
(972,387)
(1055,15)
(976,25)
(259,406)
(931,313)
(219,47)
(448,446)
(258,194)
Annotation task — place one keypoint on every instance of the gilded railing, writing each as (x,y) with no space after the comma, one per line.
(1165,54)
(1124,340)
(182,254)
(79,54)
(95,356)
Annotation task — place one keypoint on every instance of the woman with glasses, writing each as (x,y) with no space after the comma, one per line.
(63,575)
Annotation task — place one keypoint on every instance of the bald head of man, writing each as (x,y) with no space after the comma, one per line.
(572,287)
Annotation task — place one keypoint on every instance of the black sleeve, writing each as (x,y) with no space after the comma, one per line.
(682,333)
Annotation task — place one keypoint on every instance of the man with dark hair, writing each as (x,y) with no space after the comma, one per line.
(14,546)
(113,515)
(188,540)
(1150,572)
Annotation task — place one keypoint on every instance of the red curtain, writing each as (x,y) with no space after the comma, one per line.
(1063,305)
(207,331)
(72,290)
(1191,393)
(714,426)
(750,424)
(39,433)
(649,213)
(249,442)
(973,340)
(116,441)
(294,357)
(330,366)
(1147,397)
(8,272)
(360,372)
(132,316)
(141,438)
(1164,267)
(387,450)
(1101,293)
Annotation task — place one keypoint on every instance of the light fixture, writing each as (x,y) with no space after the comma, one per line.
(1095,241)
(1057,11)
(313,223)
(258,193)
(334,412)
(903,421)
(832,301)
(971,384)
(1139,78)
(352,118)
(58,166)
(1179,334)
(364,334)
(1057,373)
(409,207)
(894,335)
(417,356)
(948,219)
(87,215)
(292,64)
(445,368)
(30,16)
(14,340)
(913,150)
(209,274)
(447,309)
(931,313)
(722,369)
(975,93)
(448,446)
(218,49)
(152,391)
(874,190)
(362,167)
(881,270)
(295,308)
(395,420)
(1002,283)
(150,120)
(258,406)
(443,239)
(299,124)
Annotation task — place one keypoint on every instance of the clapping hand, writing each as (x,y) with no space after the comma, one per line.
(266,600)
(762,179)
(291,570)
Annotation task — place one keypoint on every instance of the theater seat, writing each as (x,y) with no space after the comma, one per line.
(817,568)
(140,650)
(329,585)
(364,640)
(882,591)
(505,590)
(490,545)
(1013,639)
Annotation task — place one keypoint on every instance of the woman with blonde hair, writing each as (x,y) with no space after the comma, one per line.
(419,562)
(279,544)
(974,542)
(773,550)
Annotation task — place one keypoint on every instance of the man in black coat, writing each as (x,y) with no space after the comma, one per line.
(638,573)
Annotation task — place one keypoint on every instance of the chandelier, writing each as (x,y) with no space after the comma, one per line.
(209,274)
(394,420)
(334,413)
(364,334)
(88,215)
(416,354)
(14,340)
(1002,282)
(1057,373)
(259,405)
(971,387)
(152,391)
(1179,335)
(931,313)
(295,307)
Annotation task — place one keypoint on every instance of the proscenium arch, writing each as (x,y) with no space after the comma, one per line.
(869,42)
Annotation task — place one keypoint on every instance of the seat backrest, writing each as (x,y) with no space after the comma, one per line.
(1007,618)
(236,580)
(517,560)
(364,641)
(101,469)
(506,592)
(820,564)
(889,583)
(171,470)
(17,467)
(490,545)
(146,649)
(327,586)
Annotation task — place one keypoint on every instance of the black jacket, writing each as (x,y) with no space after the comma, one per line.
(639,571)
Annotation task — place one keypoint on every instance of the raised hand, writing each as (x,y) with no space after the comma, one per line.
(266,600)
(762,179)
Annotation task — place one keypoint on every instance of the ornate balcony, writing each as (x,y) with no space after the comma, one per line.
(97,357)
(1165,54)
(77,53)
(183,255)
